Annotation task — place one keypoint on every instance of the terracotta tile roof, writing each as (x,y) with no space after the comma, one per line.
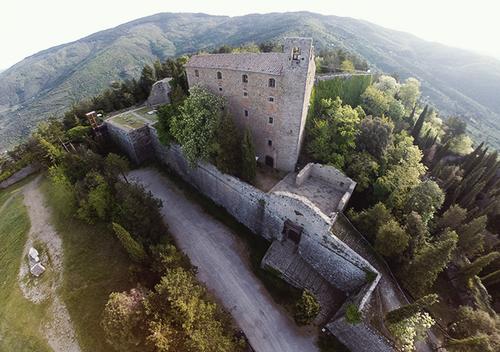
(271,63)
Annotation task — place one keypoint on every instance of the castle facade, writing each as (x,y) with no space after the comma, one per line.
(268,93)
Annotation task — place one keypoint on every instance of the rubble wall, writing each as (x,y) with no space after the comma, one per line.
(135,143)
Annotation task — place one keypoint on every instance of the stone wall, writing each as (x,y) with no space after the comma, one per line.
(241,200)
(359,337)
(136,143)
(334,176)
(19,175)
(335,261)
(266,213)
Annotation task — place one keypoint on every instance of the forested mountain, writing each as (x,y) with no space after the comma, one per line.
(456,81)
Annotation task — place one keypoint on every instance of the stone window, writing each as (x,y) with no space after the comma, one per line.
(269,142)
(246,113)
(220,89)
(296,54)
(271,99)
(244,78)
(219,75)
(271,120)
(197,73)
(245,93)
(272,82)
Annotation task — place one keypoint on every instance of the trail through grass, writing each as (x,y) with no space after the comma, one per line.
(20,319)
(94,266)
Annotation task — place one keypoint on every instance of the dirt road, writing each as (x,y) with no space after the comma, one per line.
(225,270)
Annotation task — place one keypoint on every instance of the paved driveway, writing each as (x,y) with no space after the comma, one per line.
(223,267)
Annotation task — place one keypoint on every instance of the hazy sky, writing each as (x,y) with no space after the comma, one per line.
(29,26)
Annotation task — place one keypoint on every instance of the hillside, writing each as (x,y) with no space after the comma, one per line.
(44,84)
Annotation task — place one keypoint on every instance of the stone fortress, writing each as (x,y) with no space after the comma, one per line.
(268,93)
(312,244)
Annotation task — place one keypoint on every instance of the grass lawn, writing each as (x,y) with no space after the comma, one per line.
(94,266)
(20,319)
(127,119)
(144,113)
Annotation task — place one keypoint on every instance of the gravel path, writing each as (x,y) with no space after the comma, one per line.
(225,270)
(58,329)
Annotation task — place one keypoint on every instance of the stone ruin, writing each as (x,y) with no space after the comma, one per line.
(160,93)
(36,267)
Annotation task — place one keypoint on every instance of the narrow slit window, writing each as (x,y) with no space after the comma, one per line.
(245,93)
(272,82)
(246,113)
(269,142)
(197,73)
(219,75)
(244,78)
(271,120)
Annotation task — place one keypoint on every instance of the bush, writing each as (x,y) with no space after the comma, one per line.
(306,309)
(78,133)
(138,211)
(124,320)
(391,239)
(352,314)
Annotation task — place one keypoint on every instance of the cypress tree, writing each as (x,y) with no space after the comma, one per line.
(488,208)
(476,160)
(492,278)
(417,230)
(419,274)
(474,268)
(476,343)
(441,152)
(248,167)
(412,115)
(228,158)
(468,199)
(134,249)
(470,236)
(405,312)
(452,218)
(415,132)
(146,81)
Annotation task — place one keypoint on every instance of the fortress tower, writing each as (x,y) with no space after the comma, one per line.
(267,93)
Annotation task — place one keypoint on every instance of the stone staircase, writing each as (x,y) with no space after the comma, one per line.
(284,258)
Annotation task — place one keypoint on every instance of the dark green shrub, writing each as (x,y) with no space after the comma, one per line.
(352,314)
(306,309)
